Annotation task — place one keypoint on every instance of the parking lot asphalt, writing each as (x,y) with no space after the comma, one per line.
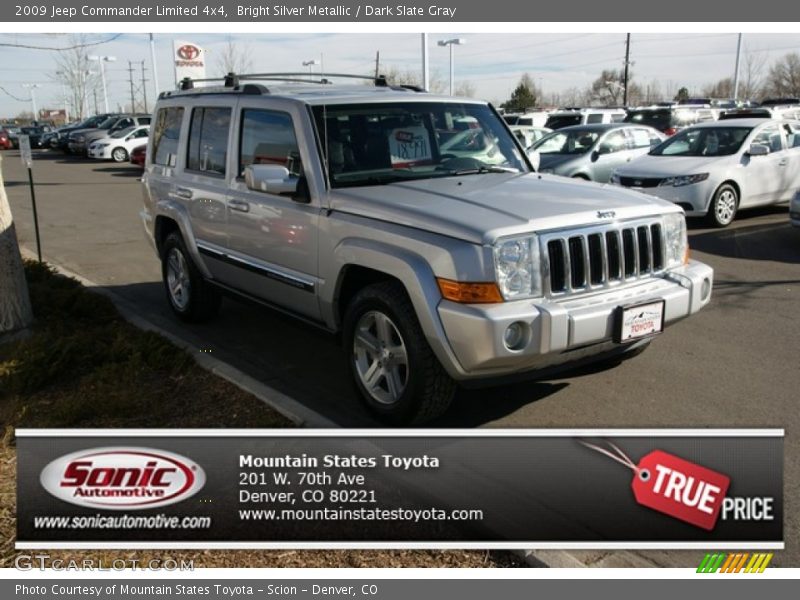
(735,364)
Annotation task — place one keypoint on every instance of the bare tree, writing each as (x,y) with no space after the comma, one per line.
(234,58)
(721,89)
(15,304)
(751,81)
(609,89)
(74,73)
(465,89)
(397,76)
(784,76)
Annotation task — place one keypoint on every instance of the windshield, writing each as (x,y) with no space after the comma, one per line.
(122,132)
(372,144)
(576,141)
(703,141)
(108,123)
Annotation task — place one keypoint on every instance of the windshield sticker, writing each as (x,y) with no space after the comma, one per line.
(409,146)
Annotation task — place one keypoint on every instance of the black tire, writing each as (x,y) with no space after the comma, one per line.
(428,389)
(723,207)
(200,301)
(119,154)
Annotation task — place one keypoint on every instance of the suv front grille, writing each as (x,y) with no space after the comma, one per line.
(585,260)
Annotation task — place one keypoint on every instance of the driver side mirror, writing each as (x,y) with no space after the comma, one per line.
(758,150)
(273,179)
(602,149)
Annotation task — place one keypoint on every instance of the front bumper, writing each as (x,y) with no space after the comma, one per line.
(693,198)
(98,153)
(561,331)
(77,147)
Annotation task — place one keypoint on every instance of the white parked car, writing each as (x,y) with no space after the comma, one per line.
(714,169)
(529,135)
(118,146)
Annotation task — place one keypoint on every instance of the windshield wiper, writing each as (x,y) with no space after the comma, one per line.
(486,169)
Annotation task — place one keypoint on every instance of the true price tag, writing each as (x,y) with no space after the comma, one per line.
(674,486)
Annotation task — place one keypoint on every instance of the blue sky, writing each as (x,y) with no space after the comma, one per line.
(492,62)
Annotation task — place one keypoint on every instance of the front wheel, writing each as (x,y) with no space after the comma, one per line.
(119,154)
(190,296)
(393,367)
(723,207)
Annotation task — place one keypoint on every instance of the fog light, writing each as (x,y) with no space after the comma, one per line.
(705,289)
(516,336)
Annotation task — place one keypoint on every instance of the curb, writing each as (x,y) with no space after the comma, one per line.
(296,412)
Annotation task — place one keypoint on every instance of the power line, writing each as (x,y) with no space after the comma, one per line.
(73,47)
(13,96)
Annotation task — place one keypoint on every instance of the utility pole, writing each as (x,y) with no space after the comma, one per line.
(130,78)
(736,74)
(627,64)
(153,62)
(144,87)
(377,63)
(96,109)
(425,70)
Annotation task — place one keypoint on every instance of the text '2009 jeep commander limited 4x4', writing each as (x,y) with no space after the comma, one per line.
(413,225)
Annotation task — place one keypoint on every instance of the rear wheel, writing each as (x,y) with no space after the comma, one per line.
(393,367)
(190,296)
(119,154)
(723,207)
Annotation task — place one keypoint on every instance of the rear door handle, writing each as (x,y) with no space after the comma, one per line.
(239,205)
(184,193)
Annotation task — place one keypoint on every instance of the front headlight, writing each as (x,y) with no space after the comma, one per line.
(684,180)
(676,243)
(516,264)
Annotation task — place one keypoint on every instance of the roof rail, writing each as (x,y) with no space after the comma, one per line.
(232,82)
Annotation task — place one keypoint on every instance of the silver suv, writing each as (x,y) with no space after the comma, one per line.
(412,225)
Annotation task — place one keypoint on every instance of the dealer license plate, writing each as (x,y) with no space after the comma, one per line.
(639,321)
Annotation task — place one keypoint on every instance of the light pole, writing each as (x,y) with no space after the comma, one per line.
(310,64)
(452,42)
(32,87)
(101,60)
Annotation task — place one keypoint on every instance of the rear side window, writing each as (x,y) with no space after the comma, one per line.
(208,140)
(595,118)
(166,134)
(268,138)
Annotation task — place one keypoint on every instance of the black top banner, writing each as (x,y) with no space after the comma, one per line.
(422,11)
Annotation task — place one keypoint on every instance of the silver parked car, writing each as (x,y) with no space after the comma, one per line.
(715,169)
(412,225)
(592,151)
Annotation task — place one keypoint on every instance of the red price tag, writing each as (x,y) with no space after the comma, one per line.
(674,486)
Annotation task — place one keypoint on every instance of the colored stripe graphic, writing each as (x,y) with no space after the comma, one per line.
(735,563)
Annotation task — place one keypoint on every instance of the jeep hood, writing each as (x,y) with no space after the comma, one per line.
(481,208)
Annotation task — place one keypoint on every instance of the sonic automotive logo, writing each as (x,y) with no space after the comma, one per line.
(122,478)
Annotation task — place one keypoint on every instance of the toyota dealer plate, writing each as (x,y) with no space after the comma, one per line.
(639,321)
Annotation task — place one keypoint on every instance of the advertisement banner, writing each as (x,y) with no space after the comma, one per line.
(318,488)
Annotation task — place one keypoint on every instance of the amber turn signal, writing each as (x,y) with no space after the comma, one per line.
(469,293)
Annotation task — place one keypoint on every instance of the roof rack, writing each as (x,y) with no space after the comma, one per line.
(232,82)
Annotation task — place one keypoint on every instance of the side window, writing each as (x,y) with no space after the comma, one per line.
(614,142)
(770,137)
(208,140)
(595,118)
(144,120)
(142,133)
(641,138)
(166,134)
(268,138)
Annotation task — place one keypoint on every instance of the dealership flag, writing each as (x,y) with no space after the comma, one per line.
(189,60)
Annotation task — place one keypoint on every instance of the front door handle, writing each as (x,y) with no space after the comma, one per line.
(783,162)
(184,193)
(239,205)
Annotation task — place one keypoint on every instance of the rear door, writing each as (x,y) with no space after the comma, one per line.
(203,186)
(611,151)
